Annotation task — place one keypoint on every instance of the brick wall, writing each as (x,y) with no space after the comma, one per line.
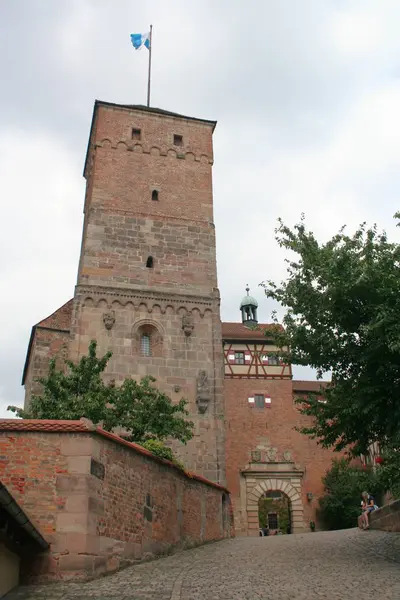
(46,345)
(49,339)
(101,502)
(123,225)
(273,428)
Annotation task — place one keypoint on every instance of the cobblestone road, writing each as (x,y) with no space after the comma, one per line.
(340,565)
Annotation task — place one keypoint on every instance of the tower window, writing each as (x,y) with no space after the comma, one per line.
(154,195)
(178,140)
(145,346)
(239,358)
(136,134)
(149,262)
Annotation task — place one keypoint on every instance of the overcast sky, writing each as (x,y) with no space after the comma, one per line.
(307,98)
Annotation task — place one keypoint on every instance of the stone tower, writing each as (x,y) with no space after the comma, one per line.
(147,280)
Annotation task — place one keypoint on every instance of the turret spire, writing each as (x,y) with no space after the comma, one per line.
(248,307)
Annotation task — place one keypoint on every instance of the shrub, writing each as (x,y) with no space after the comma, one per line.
(159,449)
(344,484)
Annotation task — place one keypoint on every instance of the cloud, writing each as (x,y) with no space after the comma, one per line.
(306,95)
(41,214)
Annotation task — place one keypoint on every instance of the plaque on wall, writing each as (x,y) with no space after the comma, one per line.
(97,469)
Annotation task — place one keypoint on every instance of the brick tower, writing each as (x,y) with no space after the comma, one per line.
(147,279)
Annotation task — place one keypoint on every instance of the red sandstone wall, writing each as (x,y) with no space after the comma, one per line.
(47,344)
(123,225)
(102,504)
(247,426)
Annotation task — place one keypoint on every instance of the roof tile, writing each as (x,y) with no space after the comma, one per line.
(43,425)
(309,386)
(60,319)
(236,331)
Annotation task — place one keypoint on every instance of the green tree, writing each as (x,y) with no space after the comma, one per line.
(139,408)
(389,471)
(341,505)
(343,316)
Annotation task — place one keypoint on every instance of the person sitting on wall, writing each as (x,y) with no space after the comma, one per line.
(264,531)
(367,506)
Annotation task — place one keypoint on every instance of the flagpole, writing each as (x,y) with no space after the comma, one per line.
(149,78)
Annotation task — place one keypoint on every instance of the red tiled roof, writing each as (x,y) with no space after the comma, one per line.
(43,425)
(238,331)
(60,319)
(86,426)
(309,386)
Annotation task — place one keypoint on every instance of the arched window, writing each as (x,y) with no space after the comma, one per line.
(145,345)
(149,262)
(147,340)
(154,195)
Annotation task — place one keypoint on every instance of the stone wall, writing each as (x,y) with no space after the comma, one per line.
(49,339)
(386,518)
(173,300)
(102,502)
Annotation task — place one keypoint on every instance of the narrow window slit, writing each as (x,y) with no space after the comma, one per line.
(149,262)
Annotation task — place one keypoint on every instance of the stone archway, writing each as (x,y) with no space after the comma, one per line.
(291,489)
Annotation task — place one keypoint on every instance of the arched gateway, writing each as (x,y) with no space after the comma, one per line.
(255,488)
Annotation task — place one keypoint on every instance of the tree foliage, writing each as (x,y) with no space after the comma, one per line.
(340,507)
(389,471)
(343,316)
(139,408)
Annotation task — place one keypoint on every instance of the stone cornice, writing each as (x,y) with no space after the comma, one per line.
(151,297)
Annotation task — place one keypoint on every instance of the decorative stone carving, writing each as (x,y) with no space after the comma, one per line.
(187,324)
(109,319)
(256,456)
(287,456)
(203,395)
(271,454)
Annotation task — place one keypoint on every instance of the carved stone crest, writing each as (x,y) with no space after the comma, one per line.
(109,319)
(256,456)
(187,324)
(271,454)
(203,395)
(287,456)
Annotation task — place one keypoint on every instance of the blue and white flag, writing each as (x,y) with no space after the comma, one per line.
(140,39)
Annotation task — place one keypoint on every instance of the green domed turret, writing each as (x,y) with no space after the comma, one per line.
(249,306)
